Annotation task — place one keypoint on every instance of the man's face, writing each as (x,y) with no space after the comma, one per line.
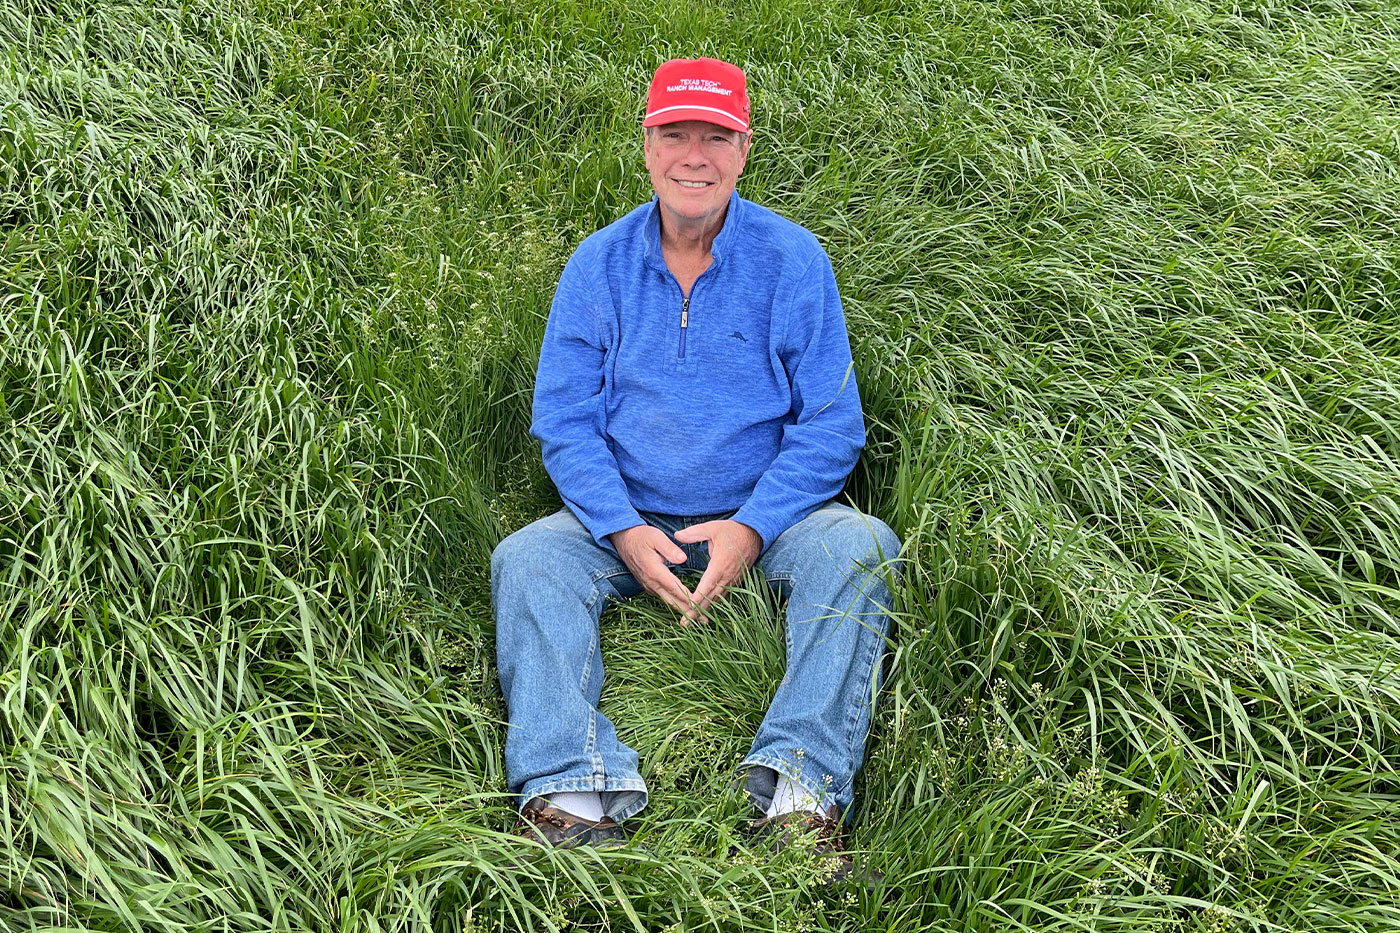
(694,166)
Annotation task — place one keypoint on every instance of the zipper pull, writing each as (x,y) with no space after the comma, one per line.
(685,322)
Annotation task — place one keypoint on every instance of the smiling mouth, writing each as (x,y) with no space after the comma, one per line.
(695,185)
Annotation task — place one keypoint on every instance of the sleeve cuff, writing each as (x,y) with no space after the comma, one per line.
(601,529)
(767,528)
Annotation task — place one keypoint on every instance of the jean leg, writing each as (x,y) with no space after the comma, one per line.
(829,567)
(549,585)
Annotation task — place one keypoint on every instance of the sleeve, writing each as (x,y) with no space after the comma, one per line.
(568,417)
(821,446)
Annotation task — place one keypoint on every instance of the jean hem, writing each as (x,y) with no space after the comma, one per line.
(839,796)
(622,797)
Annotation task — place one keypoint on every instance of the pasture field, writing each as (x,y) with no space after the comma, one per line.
(1122,279)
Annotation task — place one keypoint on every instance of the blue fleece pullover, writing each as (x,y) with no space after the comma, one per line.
(742,397)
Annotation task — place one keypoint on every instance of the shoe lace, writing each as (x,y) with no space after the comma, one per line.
(553,819)
(828,831)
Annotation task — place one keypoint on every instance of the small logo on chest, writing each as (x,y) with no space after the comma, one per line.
(739,336)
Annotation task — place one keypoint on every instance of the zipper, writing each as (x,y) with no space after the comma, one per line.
(685,323)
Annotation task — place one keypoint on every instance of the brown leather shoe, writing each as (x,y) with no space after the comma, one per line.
(555,827)
(827,837)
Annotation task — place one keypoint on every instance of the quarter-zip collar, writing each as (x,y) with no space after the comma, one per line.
(732,219)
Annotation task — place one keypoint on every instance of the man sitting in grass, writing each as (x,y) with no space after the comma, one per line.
(697,409)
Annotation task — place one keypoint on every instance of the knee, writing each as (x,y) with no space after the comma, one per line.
(887,543)
(861,539)
(547,559)
(507,556)
(524,557)
(528,574)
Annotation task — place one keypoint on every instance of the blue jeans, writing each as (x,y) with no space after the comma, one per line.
(550,583)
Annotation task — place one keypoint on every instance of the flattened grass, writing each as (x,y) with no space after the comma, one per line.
(1122,288)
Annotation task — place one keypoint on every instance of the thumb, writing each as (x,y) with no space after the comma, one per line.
(694,533)
(668,549)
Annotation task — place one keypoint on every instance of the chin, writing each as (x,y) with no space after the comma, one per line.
(691,211)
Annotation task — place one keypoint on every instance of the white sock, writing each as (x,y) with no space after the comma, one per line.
(586,804)
(790,797)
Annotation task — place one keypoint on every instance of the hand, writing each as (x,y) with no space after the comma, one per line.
(645,550)
(734,547)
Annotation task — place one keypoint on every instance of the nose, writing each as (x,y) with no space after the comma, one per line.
(695,153)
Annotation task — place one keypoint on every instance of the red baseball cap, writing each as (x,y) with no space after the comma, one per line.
(698,89)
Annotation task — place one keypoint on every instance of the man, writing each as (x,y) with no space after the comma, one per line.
(697,408)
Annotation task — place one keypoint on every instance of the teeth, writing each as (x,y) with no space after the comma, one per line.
(692,184)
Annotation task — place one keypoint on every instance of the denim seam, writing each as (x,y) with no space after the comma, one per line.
(863,700)
(787,645)
(592,649)
(605,573)
(590,746)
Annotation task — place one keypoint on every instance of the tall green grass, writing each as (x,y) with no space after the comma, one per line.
(1123,285)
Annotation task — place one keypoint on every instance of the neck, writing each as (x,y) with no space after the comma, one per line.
(688,236)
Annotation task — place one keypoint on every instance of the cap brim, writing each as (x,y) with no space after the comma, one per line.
(708,114)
